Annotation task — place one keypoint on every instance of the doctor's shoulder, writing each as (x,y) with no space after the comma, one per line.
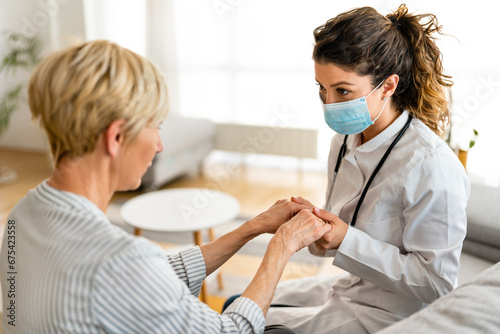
(431,158)
(424,140)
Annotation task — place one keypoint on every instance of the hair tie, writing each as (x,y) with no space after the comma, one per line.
(395,22)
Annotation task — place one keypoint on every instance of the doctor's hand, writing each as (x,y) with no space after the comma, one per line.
(333,238)
(282,211)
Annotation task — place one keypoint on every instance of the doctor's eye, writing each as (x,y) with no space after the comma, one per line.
(342,91)
(320,86)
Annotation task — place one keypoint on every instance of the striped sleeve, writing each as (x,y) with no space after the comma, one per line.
(252,322)
(138,292)
(189,266)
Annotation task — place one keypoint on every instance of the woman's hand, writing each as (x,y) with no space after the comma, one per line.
(300,231)
(333,238)
(282,211)
(303,201)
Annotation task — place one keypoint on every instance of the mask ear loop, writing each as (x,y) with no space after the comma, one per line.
(374,89)
(384,98)
(380,113)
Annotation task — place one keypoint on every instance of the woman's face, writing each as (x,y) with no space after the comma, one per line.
(337,85)
(138,157)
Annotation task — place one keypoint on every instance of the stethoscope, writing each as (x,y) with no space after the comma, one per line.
(341,155)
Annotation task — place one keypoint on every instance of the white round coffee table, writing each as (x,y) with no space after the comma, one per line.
(181,210)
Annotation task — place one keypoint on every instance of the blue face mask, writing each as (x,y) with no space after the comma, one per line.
(350,117)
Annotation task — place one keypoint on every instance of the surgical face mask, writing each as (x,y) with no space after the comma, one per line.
(350,117)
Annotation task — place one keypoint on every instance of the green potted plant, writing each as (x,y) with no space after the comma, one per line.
(463,150)
(22,53)
(460,137)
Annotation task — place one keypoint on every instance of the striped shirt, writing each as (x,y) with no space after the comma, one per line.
(71,271)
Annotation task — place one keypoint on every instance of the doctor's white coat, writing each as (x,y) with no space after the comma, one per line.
(404,250)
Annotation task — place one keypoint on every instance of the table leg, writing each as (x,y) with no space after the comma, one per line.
(219,275)
(198,240)
(137,231)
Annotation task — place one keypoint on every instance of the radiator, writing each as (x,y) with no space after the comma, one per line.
(293,142)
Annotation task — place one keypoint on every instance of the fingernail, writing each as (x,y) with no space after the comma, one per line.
(316,209)
(293,197)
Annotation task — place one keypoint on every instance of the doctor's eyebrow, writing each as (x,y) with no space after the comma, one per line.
(337,83)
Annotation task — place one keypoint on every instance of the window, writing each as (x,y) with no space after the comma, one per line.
(238,60)
(121,21)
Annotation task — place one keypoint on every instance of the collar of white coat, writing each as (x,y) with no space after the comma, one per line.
(390,132)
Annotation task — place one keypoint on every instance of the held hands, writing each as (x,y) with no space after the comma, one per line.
(269,221)
(300,231)
(286,212)
(333,238)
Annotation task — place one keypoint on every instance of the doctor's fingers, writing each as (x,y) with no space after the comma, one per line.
(323,245)
(327,216)
(333,238)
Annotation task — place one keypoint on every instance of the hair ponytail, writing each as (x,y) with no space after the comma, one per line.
(429,102)
(372,45)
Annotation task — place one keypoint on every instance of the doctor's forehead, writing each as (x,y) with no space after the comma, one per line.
(331,75)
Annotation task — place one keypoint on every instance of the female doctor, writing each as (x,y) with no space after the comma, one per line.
(396,193)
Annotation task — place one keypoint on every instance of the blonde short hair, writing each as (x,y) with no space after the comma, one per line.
(78,92)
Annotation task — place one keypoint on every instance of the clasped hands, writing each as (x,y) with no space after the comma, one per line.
(297,223)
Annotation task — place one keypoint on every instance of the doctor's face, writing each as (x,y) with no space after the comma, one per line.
(337,85)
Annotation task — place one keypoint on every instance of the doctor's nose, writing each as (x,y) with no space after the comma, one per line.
(326,98)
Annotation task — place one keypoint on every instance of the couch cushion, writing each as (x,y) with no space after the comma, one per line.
(484,251)
(483,215)
(470,267)
(471,308)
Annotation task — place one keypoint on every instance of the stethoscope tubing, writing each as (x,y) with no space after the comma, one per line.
(342,152)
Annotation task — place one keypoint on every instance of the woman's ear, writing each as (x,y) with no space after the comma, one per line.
(390,85)
(114,137)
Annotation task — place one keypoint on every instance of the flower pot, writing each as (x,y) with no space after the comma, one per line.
(462,156)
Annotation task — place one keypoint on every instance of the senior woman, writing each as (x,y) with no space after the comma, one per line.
(101,105)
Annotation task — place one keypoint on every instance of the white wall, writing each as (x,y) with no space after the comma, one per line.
(143,26)
(160,44)
(51,20)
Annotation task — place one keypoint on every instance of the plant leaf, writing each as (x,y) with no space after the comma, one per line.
(23,52)
(8,104)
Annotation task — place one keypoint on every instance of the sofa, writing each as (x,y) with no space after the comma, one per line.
(186,142)
(483,223)
(481,247)
(474,307)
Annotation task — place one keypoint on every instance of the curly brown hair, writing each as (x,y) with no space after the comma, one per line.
(369,44)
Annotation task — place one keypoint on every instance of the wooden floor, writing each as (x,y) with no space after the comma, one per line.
(257,188)
(31,167)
